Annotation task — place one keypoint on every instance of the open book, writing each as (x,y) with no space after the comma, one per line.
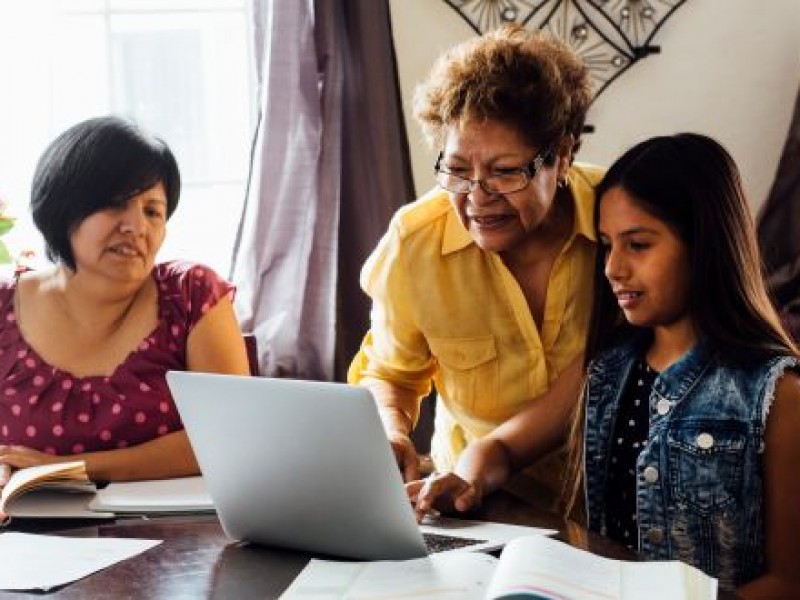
(63,490)
(529,567)
(60,490)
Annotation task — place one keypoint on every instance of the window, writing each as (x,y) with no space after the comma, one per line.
(180,68)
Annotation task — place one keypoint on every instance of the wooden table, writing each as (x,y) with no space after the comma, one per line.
(196,560)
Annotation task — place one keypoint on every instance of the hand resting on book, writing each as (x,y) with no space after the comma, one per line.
(20,457)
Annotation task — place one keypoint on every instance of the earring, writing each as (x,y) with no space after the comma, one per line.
(562,183)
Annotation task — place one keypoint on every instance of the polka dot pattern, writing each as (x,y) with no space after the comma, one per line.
(631,430)
(49,409)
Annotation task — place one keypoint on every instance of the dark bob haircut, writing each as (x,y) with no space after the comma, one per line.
(97,164)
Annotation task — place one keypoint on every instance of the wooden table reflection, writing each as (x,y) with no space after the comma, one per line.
(196,560)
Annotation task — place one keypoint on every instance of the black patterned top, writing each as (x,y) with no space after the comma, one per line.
(630,436)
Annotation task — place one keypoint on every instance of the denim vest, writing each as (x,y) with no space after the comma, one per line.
(699,489)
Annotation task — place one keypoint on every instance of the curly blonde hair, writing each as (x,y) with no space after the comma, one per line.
(523,78)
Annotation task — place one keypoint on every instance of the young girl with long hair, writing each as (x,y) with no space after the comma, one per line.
(685,443)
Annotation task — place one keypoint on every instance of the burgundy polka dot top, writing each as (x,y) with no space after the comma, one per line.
(50,410)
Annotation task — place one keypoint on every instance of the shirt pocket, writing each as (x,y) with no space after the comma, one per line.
(467,371)
(705,462)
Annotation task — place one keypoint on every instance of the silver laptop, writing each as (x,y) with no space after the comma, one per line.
(306,465)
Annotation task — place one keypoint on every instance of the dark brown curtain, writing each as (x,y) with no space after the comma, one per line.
(376,175)
(779,230)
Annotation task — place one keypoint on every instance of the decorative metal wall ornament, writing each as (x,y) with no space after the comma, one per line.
(610,35)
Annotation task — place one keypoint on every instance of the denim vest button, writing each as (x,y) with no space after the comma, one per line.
(655,535)
(705,441)
(651,474)
(663,407)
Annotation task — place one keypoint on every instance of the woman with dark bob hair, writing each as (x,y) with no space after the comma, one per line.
(483,285)
(685,443)
(85,345)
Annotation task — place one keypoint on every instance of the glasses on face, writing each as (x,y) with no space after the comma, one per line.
(505,182)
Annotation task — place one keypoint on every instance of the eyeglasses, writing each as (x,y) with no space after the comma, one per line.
(506,182)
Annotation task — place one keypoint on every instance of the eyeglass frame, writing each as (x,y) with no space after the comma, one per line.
(530,170)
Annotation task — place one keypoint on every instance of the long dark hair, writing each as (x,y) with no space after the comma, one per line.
(691,183)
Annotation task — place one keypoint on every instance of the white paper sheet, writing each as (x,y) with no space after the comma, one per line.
(463,576)
(30,562)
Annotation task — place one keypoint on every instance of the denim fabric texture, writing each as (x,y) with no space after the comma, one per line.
(699,488)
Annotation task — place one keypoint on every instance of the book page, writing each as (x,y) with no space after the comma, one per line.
(540,567)
(666,580)
(458,576)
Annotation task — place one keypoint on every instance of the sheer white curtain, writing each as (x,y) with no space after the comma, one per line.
(285,258)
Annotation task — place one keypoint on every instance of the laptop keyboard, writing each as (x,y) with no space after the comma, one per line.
(436,542)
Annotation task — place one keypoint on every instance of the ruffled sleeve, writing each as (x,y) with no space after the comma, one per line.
(9,334)
(192,289)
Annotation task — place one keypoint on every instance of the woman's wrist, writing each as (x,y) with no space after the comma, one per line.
(483,466)
(396,421)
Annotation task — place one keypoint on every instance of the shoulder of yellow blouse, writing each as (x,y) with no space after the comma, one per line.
(416,215)
(589,173)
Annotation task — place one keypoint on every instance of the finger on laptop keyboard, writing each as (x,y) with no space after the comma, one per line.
(430,516)
(438,492)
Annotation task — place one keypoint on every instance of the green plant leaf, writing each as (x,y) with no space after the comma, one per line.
(6,223)
(5,256)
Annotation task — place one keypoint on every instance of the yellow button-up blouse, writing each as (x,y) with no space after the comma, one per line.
(447,311)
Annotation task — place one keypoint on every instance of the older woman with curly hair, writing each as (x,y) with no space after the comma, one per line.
(483,286)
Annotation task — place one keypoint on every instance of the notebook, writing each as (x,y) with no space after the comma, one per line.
(306,465)
(162,496)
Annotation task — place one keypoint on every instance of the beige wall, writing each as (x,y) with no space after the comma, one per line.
(727,68)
